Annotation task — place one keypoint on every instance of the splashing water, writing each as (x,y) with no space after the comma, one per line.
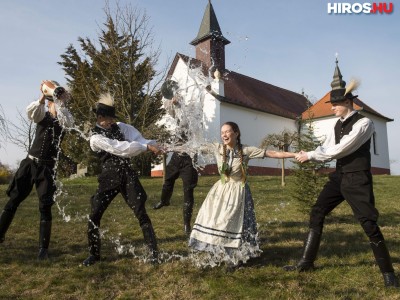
(188,122)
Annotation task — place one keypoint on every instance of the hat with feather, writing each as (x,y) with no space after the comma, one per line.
(339,91)
(105,106)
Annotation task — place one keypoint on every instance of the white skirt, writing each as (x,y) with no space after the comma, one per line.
(226,223)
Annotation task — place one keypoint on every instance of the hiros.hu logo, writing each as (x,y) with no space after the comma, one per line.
(357,8)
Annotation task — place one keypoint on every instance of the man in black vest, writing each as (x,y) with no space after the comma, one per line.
(349,144)
(115,143)
(180,165)
(38,168)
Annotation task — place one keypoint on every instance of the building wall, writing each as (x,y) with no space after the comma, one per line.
(380,153)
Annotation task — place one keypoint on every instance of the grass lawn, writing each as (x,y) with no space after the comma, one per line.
(346,268)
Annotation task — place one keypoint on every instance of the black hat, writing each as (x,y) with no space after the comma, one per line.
(105,106)
(338,95)
(344,93)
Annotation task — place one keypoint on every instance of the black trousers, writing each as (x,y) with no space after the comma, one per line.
(181,165)
(357,189)
(28,174)
(124,180)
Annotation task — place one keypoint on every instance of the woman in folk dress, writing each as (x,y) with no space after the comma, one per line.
(226,224)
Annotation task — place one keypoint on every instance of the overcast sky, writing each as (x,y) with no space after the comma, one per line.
(287,43)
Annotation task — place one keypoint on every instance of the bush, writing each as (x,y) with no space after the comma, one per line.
(5,174)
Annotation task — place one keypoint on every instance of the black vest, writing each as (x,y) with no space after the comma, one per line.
(360,159)
(48,137)
(113,133)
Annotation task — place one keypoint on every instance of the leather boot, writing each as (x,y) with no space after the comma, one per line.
(5,222)
(311,247)
(383,260)
(187,216)
(44,239)
(390,279)
(165,199)
(151,241)
(94,245)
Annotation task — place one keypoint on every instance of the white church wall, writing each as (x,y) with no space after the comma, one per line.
(379,143)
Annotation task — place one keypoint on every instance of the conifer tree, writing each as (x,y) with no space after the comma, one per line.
(308,177)
(121,62)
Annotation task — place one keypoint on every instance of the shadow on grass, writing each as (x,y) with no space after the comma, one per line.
(282,244)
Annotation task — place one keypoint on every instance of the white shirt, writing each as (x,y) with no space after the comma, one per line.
(36,112)
(133,145)
(361,132)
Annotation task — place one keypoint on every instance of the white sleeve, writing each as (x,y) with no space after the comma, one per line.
(36,111)
(132,134)
(361,132)
(123,149)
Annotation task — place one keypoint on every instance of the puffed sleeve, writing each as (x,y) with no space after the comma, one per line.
(123,149)
(36,111)
(253,152)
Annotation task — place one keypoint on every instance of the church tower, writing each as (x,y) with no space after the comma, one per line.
(210,43)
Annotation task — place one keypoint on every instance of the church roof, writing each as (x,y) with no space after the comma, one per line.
(321,109)
(251,93)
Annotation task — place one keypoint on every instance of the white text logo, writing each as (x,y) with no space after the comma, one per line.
(358,8)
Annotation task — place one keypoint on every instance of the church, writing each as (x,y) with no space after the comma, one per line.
(259,108)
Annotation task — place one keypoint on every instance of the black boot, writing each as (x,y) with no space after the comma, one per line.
(390,279)
(165,199)
(44,239)
(311,247)
(5,222)
(94,245)
(151,241)
(382,258)
(187,216)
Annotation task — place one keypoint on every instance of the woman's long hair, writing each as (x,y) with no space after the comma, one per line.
(236,129)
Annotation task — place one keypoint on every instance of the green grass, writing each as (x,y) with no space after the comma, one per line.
(346,268)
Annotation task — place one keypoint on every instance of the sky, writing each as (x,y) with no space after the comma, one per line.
(288,43)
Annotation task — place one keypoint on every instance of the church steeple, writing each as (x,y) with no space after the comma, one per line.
(210,43)
(337,82)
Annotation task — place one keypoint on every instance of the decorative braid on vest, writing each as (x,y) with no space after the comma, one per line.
(360,159)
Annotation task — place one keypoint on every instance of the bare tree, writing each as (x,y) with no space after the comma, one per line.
(282,142)
(21,132)
(3,126)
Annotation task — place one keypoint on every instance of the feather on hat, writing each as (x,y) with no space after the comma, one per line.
(105,106)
